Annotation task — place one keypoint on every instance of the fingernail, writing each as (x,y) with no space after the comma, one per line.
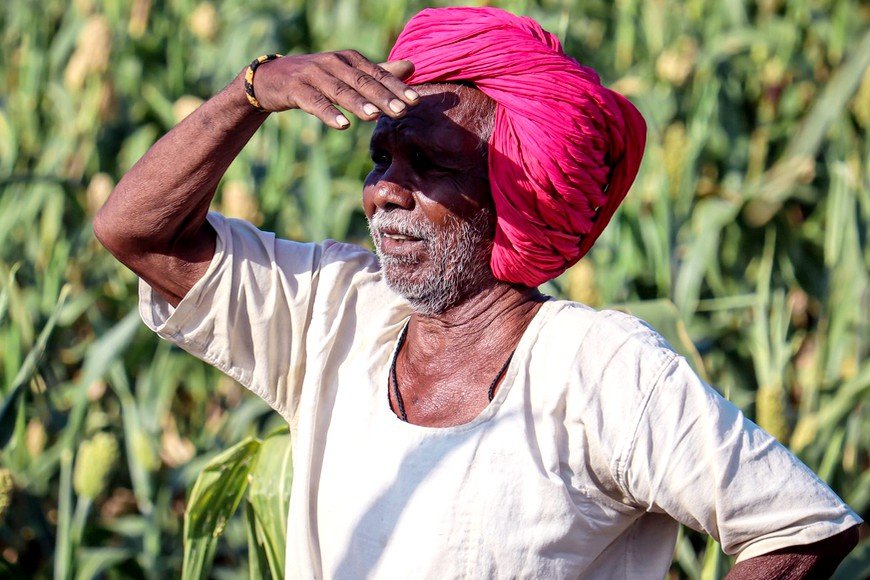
(412,95)
(370,109)
(397,106)
(342,121)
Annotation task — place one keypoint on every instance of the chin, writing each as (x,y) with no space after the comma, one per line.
(432,293)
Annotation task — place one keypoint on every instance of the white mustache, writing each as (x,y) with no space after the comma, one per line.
(402,225)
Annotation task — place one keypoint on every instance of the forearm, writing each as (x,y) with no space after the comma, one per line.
(818,560)
(165,196)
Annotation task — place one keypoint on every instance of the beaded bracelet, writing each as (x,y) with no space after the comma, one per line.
(249,78)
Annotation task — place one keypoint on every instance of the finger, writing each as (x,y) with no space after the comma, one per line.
(369,89)
(350,99)
(385,75)
(387,79)
(401,69)
(314,102)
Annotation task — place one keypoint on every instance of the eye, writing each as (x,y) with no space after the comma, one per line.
(380,157)
(424,163)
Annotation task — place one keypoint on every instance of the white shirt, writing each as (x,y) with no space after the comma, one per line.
(598,442)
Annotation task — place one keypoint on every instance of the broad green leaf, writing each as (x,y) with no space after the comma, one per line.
(212,502)
(269,495)
(258,561)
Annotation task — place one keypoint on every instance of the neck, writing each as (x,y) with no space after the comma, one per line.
(492,320)
(452,362)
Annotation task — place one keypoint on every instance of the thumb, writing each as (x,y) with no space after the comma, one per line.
(399,68)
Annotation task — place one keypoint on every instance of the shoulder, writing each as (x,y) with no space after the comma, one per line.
(604,342)
(608,362)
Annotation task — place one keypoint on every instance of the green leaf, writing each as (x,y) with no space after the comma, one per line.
(715,562)
(686,557)
(63,546)
(213,500)
(258,561)
(94,562)
(269,495)
(141,456)
(99,357)
(8,416)
(777,183)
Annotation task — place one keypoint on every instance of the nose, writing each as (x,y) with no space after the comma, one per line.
(391,194)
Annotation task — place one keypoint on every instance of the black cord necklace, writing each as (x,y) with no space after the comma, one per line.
(395,382)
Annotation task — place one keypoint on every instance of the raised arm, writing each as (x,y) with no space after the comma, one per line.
(155,220)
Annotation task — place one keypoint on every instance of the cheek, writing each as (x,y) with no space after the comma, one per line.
(368,201)
(465,196)
(368,193)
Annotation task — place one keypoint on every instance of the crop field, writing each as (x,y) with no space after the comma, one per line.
(744,241)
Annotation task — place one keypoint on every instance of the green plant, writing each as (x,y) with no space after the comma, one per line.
(258,472)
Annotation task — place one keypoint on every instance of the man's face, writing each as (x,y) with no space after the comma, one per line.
(428,200)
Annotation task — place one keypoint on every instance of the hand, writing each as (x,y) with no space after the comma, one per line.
(316,83)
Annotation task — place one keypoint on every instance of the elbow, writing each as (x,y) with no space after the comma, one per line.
(101,230)
(112,228)
(106,232)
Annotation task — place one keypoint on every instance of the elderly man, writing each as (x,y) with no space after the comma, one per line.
(448,420)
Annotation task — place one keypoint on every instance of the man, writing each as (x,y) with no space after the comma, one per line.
(448,420)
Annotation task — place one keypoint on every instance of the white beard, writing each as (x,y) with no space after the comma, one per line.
(458,260)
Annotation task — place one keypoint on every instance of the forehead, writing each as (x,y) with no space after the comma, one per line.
(448,118)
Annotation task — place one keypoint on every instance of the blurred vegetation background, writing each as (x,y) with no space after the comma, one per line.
(745,240)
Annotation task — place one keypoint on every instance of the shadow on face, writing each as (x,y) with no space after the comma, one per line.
(439,148)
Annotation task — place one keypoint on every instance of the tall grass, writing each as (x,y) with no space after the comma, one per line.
(744,239)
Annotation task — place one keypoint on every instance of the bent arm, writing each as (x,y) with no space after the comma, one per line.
(154,221)
(816,560)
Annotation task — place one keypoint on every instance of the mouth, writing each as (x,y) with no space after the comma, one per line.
(393,242)
(399,237)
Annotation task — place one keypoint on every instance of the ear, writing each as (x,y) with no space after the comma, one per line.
(399,68)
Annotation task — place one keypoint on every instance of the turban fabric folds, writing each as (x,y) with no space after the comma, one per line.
(564,149)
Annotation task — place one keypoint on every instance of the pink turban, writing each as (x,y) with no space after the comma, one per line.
(564,149)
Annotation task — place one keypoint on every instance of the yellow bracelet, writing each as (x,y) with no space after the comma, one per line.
(249,78)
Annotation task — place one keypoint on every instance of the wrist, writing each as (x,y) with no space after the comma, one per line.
(249,76)
(233,96)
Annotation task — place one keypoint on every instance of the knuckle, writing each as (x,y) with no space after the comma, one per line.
(364,80)
(330,59)
(323,106)
(340,89)
(381,75)
(353,56)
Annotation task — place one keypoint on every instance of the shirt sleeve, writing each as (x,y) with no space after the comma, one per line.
(695,456)
(248,314)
